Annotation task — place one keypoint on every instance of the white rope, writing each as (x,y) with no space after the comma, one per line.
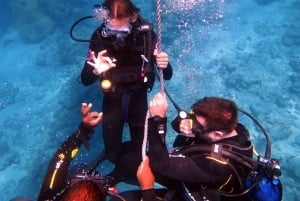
(145,139)
(162,86)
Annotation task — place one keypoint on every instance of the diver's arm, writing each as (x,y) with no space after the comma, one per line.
(184,169)
(146,180)
(55,178)
(87,75)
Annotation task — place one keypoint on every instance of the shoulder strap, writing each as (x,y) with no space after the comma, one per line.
(219,150)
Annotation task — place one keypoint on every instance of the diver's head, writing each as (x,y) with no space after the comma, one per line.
(213,116)
(118,16)
(87,190)
(120,9)
(219,113)
(121,13)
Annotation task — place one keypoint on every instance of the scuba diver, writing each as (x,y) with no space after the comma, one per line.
(212,122)
(82,185)
(122,56)
(212,158)
(82,182)
(56,184)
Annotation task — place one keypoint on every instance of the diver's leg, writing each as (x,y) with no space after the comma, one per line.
(136,116)
(112,125)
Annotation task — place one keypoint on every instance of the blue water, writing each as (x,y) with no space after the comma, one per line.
(246,50)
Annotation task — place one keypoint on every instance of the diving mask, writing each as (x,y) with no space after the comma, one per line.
(111,27)
(102,182)
(121,31)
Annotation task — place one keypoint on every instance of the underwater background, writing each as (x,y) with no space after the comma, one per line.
(247,51)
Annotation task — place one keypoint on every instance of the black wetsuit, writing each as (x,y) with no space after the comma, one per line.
(199,173)
(55,180)
(127,101)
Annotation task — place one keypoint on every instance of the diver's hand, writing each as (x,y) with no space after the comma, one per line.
(185,128)
(162,59)
(145,175)
(158,105)
(90,119)
(101,63)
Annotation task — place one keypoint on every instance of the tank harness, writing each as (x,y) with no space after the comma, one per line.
(133,76)
(220,153)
